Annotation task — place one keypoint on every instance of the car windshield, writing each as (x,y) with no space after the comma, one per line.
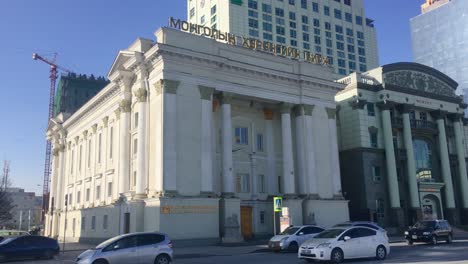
(330,233)
(6,241)
(424,225)
(109,241)
(289,231)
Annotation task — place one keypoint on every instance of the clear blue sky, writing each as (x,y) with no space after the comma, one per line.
(87,34)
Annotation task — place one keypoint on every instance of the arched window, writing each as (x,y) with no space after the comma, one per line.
(423,159)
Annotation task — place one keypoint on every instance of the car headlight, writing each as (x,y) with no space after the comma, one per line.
(406,233)
(323,245)
(426,233)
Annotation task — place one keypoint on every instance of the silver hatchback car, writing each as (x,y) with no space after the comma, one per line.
(135,248)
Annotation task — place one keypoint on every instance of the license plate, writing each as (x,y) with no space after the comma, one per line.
(306,251)
(415,237)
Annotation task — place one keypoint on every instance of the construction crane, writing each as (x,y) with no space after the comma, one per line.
(47,166)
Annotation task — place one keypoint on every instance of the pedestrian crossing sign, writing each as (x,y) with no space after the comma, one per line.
(277,203)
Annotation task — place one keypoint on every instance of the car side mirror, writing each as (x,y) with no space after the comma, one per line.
(346,238)
(301,233)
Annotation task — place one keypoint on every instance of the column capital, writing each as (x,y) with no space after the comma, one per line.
(105,121)
(226,98)
(141,94)
(386,105)
(205,92)
(268,114)
(125,106)
(405,108)
(94,127)
(85,134)
(285,108)
(61,147)
(301,110)
(117,113)
(166,86)
(357,103)
(438,114)
(456,117)
(331,112)
(55,152)
(76,139)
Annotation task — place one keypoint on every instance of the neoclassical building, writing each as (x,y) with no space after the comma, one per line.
(193,137)
(403,145)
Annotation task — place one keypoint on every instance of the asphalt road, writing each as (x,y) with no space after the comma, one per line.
(454,253)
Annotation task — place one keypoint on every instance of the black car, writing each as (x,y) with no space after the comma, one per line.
(26,247)
(431,231)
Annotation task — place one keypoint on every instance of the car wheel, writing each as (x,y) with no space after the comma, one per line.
(293,247)
(337,256)
(162,259)
(434,240)
(381,253)
(48,254)
(409,242)
(449,239)
(100,261)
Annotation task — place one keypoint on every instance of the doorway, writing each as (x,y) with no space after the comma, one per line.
(126,223)
(246,222)
(431,209)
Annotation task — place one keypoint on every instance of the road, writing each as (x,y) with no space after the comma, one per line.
(400,253)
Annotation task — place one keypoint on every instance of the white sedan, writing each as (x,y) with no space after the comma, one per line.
(292,237)
(337,244)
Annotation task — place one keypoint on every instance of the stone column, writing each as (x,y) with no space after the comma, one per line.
(310,153)
(140,190)
(60,177)
(392,177)
(288,162)
(301,149)
(445,166)
(104,157)
(228,177)
(124,146)
(272,178)
(52,193)
(410,162)
(334,156)
(168,89)
(458,127)
(206,140)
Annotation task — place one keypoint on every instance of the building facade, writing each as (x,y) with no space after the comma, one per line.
(337,29)
(439,36)
(26,212)
(403,146)
(193,137)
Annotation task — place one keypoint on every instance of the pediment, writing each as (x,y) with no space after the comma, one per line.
(119,61)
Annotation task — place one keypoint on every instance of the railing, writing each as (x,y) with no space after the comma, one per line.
(423,124)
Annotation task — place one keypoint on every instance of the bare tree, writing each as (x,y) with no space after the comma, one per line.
(6,203)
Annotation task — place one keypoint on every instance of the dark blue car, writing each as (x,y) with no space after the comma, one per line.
(26,247)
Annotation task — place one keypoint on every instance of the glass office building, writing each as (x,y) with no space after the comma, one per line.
(440,39)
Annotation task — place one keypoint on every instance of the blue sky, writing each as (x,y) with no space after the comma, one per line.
(87,35)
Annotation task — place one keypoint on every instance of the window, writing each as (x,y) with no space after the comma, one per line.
(306,46)
(279,12)
(109,189)
(99,147)
(261,183)
(341,55)
(293,43)
(202,20)
(292,33)
(349,32)
(339,37)
(305,37)
(267,17)
(127,242)
(338,14)
(93,222)
(316,22)
(78,197)
(192,12)
(315,7)
(259,142)
(83,223)
(213,10)
(347,2)
(348,17)
(351,48)
(340,45)
(89,153)
(253,13)
(243,183)
(253,23)
(361,51)
(380,209)
(292,24)
(359,20)
(279,30)
(279,21)
(88,194)
(316,31)
(423,116)
(280,39)
(327,26)
(111,142)
(330,59)
(304,4)
(266,8)
(342,71)
(305,19)
(376,176)
(253,4)
(318,49)
(338,29)
(104,222)
(317,40)
(291,2)
(362,67)
(370,109)
(262,217)
(352,65)
(360,35)
(373,139)
(135,120)
(150,239)
(267,27)
(135,146)
(253,33)
(341,63)
(70,200)
(267,36)
(98,192)
(292,15)
(362,59)
(326,10)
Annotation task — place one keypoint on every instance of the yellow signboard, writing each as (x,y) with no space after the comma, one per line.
(277,203)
